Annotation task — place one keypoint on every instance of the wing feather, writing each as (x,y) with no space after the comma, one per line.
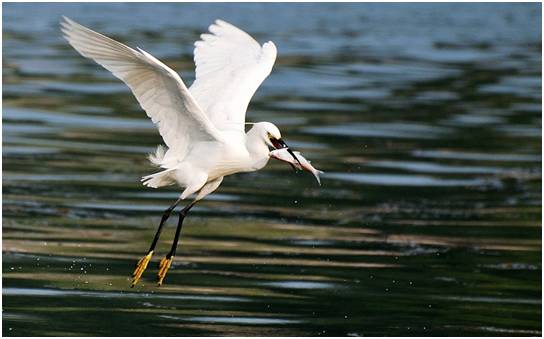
(230,66)
(159,90)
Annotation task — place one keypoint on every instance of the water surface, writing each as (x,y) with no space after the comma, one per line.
(426,119)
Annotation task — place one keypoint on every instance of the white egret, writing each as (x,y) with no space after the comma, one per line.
(202,126)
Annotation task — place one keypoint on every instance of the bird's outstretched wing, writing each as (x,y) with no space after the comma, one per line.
(230,66)
(159,90)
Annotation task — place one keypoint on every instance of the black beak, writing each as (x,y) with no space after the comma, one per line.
(279,143)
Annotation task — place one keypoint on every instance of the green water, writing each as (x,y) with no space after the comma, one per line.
(426,119)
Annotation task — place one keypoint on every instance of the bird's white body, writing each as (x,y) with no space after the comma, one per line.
(202,126)
(209,161)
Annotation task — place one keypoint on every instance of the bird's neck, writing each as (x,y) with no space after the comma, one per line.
(257,149)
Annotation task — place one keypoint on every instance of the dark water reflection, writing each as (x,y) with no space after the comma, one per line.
(426,119)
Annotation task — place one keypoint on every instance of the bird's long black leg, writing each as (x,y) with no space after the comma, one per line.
(142,263)
(167,261)
(165,217)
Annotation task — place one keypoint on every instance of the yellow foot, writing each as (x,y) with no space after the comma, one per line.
(163,268)
(140,268)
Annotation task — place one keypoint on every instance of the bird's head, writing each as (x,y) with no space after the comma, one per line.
(271,135)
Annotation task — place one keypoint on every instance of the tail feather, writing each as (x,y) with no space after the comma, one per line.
(159,179)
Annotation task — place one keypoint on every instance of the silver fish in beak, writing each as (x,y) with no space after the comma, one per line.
(296,160)
(279,144)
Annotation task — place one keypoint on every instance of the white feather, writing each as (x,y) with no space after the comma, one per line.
(159,90)
(157,157)
(230,66)
(203,126)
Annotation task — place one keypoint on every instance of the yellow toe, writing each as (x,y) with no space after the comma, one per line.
(140,268)
(163,268)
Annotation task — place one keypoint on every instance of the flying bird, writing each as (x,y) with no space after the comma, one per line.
(203,126)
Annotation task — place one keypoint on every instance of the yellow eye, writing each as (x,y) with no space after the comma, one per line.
(269,135)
